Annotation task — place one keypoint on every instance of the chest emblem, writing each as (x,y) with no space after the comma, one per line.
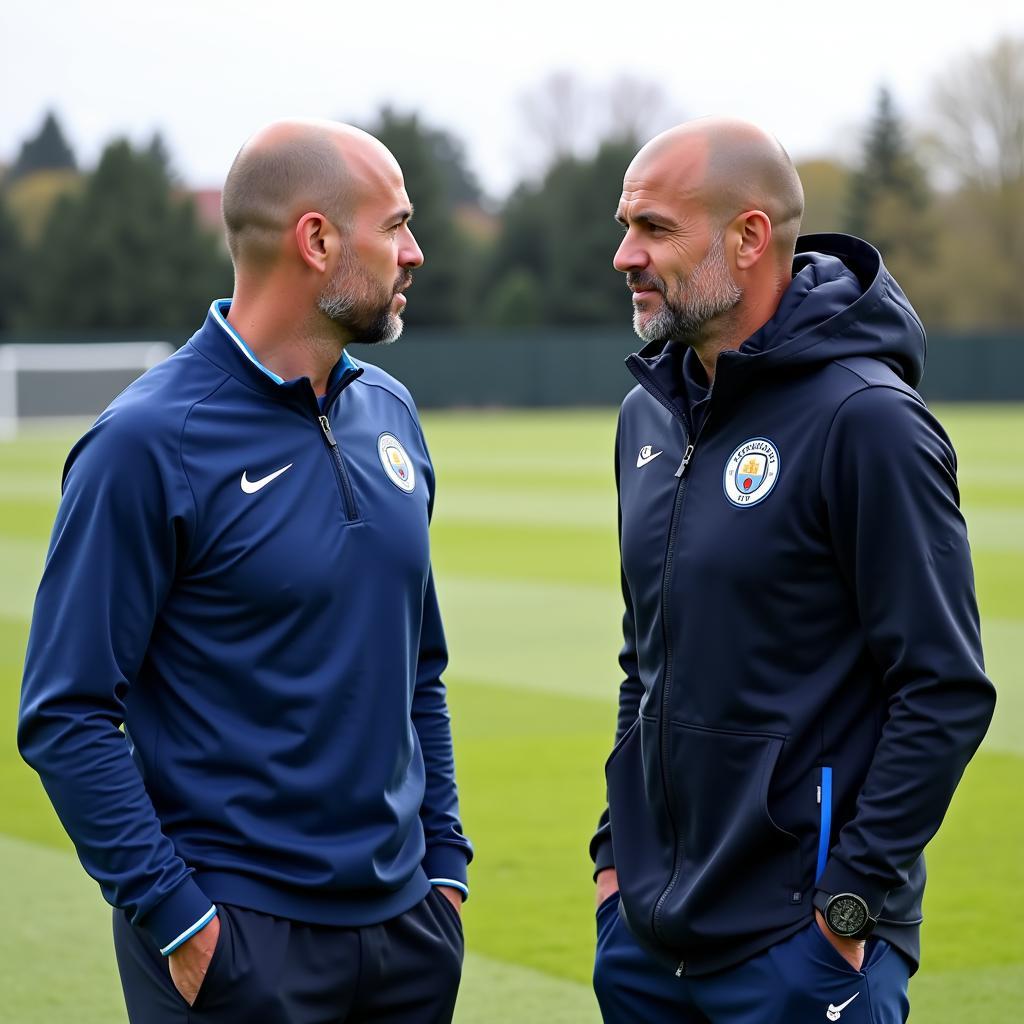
(751,472)
(397,465)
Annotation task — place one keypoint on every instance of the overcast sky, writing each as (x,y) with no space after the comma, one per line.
(207,74)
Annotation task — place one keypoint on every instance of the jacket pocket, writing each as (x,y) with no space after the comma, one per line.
(642,839)
(737,872)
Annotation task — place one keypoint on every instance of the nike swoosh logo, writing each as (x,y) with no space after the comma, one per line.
(833,1012)
(252,486)
(647,454)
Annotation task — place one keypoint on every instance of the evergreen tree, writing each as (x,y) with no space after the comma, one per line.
(47,150)
(460,184)
(887,168)
(126,253)
(889,205)
(561,235)
(13,272)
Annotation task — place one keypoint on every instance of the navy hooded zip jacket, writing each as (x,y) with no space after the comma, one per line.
(242,579)
(803,671)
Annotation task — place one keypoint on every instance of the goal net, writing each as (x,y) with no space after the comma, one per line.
(48,384)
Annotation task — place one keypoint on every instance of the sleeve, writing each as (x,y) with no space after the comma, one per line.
(889,485)
(111,560)
(448,851)
(630,692)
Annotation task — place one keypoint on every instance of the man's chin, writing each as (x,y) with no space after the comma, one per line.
(384,331)
(650,328)
(394,332)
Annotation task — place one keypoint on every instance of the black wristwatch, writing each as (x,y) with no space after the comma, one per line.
(846,915)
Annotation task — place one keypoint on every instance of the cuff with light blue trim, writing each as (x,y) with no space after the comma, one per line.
(189,932)
(445,863)
(176,917)
(451,883)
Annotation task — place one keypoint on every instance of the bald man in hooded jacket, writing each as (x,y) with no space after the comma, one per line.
(803,682)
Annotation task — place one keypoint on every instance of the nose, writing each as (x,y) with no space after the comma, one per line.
(410,256)
(629,255)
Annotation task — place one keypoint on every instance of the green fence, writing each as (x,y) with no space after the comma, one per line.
(519,368)
(551,367)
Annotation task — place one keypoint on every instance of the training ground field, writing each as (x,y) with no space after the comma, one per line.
(525,556)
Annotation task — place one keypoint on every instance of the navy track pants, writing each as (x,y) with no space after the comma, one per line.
(268,970)
(801,980)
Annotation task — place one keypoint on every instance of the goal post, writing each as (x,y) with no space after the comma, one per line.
(50,383)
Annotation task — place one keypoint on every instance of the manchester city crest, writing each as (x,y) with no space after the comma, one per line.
(751,472)
(397,464)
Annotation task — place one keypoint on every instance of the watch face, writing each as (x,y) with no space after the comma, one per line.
(847,914)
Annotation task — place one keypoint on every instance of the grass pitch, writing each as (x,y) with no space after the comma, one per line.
(525,556)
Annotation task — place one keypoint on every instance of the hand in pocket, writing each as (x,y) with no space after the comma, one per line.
(191,960)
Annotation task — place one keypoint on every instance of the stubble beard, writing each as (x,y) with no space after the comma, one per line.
(358,304)
(708,292)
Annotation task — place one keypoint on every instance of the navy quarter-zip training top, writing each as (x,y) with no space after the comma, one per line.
(804,683)
(242,579)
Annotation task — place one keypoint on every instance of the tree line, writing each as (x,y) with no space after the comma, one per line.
(122,247)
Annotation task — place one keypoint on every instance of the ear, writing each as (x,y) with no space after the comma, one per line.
(316,239)
(753,233)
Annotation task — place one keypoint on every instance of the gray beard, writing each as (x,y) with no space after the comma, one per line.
(368,323)
(709,292)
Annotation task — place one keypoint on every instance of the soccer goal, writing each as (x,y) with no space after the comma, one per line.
(53,384)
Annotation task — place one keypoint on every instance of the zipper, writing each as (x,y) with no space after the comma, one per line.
(339,468)
(650,385)
(687,455)
(666,688)
(340,472)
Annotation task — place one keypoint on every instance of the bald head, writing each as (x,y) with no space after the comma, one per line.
(291,168)
(728,166)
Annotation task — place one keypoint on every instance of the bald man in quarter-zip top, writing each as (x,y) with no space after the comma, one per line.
(240,576)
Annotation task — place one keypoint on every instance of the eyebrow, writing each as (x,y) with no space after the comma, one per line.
(655,219)
(400,216)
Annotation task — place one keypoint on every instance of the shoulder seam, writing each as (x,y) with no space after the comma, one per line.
(181,438)
(373,384)
(850,370)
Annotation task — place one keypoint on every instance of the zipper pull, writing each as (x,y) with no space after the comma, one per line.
(687,455)
(819,794)
(681,969)
(325,426)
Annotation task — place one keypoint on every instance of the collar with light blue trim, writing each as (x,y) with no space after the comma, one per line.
(219,311)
